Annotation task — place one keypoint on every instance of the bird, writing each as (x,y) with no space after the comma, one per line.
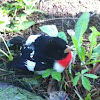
(41,52)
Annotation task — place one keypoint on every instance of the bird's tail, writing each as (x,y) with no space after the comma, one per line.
(17,63)
(17,41)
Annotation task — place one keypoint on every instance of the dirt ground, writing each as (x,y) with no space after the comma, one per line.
(63,14)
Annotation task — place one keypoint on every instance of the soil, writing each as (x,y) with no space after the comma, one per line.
(63,14)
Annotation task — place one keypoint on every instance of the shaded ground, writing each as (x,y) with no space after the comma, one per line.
(64,15)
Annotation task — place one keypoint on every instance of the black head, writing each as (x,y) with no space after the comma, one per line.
(55,48)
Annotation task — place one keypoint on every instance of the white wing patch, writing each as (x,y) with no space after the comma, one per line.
(58,67)
(31,54)
(30,65)
(31,39)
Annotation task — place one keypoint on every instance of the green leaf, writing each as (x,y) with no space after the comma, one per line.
(23,26)
(86,83)
(51,30)
(88,97)
(1,22)
(63,36)
(78,73)
(84,71)
(75,80)
(47,73)
(76,44)
(79,48)
(81,25)
(91,76)
(56,75)
(93,36)
(97,49)
(27,24)
(82,53)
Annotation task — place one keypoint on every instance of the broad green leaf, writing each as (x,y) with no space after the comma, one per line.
(75,80)
(86,83)
(27,24)
(91,76)
(93,36)
(51,30)
(82,53)
(56,75)
(81,25)
(63,36)
(76,44)
(79,48)
(88,97)
(95,56)
(23,26)
(78,73)
(84,71)
(47,73)
(97,49)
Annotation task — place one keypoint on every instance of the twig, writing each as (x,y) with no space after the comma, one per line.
(96,67)
(78,94)
(41,21)
(95,12)
(66,96)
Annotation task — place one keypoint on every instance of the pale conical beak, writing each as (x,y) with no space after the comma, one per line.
(68,49)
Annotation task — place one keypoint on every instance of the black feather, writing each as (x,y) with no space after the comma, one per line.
(17,41)
(46,51)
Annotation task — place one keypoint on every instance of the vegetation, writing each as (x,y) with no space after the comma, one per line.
(13,18)
(86,57)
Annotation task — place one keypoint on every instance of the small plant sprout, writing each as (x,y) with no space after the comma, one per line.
(83,77)
(55,75)
(80,28)
(10,55)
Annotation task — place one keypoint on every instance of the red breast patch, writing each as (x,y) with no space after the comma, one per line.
(66,61)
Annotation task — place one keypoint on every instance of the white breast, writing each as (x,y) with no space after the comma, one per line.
(58,67)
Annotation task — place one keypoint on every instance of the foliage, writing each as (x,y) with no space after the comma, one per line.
(51,30)
(88,97)
(13,16)
(16,93)
(84,80)
(10,55)
(80,28)
(54,74)
(77,39)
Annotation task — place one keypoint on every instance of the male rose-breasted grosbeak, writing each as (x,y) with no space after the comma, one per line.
(40,52)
